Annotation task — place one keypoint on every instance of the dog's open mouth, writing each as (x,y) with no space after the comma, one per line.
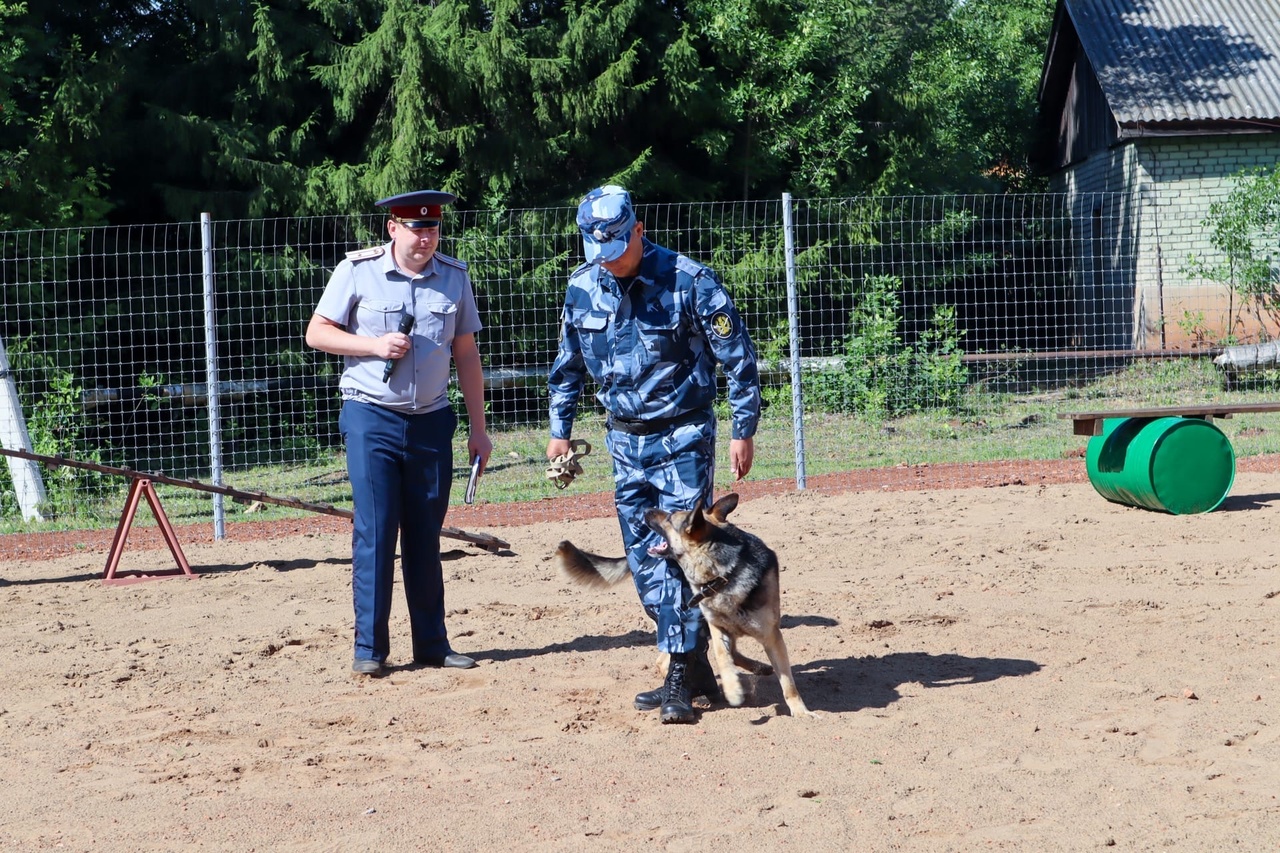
(660,549)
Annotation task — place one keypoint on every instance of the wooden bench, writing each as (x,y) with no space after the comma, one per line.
(1090,423)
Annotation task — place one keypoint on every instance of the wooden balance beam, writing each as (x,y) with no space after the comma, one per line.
(143,486)
(1090,423)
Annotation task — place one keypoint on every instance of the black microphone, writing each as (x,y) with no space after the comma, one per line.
(406,324)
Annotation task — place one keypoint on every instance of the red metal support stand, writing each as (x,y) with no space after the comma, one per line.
(142,486)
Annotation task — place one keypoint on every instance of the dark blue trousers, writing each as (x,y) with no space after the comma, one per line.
(401,469)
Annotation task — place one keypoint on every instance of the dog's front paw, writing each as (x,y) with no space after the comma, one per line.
(797,708)
(734,695)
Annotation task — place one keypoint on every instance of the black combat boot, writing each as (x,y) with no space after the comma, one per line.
(650,700)
(702,680)
(676,707)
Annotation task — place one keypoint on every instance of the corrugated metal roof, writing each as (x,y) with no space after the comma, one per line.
(1183,60)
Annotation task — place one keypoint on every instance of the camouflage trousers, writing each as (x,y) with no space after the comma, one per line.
(672,470)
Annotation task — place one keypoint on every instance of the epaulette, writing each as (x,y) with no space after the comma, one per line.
(688,265)
(453,262)
(366,254)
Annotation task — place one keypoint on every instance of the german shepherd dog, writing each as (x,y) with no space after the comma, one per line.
(734,576)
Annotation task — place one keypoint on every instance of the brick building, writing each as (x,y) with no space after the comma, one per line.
(1149,110)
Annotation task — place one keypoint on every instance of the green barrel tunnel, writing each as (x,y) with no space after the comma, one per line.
(1175,464)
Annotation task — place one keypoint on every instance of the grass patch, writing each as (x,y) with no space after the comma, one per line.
(990,426)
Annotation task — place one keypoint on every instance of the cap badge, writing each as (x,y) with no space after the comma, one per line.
(600,236)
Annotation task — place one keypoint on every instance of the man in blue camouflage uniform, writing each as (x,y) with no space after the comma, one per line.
(399,313)
(648,325)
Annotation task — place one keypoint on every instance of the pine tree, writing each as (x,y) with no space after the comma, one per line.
(51,113)
(512,104)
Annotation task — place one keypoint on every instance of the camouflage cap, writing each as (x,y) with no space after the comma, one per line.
(606,218)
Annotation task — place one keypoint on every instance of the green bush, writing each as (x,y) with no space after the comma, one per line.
(1244,229)
(55,426)
(884,376)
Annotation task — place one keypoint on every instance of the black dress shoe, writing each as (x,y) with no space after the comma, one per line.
(368,667)
(452,660)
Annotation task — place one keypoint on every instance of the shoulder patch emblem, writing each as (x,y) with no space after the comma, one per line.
(366,254)
(721,325)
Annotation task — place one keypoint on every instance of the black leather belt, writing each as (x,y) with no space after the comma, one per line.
(653,426)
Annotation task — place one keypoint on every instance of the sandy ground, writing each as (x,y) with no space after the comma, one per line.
(1014,668)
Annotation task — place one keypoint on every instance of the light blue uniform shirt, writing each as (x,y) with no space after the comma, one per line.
(368,294)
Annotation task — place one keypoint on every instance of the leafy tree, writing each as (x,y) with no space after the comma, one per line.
(182,120)
(954,94)
(1244,228)
(146,110)
(509,103)
(50,116)
(517,103)
(790,79)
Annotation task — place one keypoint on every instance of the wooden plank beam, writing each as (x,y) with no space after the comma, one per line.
(1090,423)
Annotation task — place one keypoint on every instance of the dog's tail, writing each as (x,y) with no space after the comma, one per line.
(590,569)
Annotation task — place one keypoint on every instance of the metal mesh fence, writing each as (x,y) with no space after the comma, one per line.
(922,331)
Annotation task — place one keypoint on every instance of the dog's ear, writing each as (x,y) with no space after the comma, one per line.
(720,509)
(696,528)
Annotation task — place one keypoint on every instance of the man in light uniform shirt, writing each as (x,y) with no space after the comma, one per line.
(398,313)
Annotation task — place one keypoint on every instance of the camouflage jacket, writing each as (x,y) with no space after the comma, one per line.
(653,349)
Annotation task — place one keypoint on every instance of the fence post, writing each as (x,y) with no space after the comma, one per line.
(793,326)
(211,375)
(25,473)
